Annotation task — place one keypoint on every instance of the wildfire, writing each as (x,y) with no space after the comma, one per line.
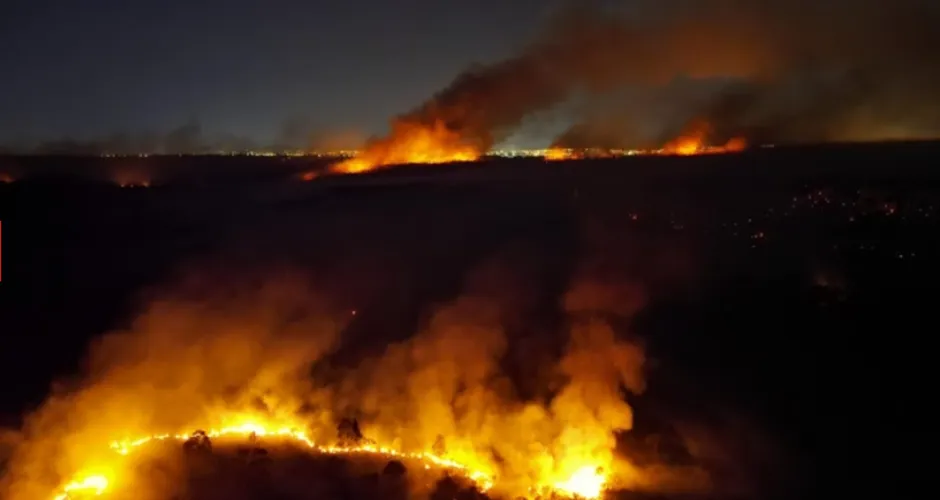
(695,145)
(683,146)
(587,482)
(558,154)
(97,480)
(694,141)
(185,368)
(411,143)
(561,154)
(679,147)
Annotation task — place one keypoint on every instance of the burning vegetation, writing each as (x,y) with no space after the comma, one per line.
(694,141)
(697,140)
(853,71)
(239,366)
(411,143)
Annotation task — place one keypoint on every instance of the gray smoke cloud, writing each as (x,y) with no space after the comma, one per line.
(770,70)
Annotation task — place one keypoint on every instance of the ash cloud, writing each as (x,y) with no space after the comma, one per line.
(798,71)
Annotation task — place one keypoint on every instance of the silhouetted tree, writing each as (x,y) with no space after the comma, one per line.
(446,488)
(199,442)
(348,432)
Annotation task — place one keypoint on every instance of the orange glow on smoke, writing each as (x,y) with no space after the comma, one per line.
(411,143)
(735,144)
(436,399)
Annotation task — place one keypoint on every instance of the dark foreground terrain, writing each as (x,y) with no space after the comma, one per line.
(784,290)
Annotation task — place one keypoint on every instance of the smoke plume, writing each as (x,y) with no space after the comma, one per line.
(791,71)
(188,358)
(774,71)
(201,357)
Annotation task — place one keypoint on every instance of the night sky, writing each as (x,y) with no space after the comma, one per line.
(86,69)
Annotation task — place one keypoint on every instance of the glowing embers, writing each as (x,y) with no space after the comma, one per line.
(308,176)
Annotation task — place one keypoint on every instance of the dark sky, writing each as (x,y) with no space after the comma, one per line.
(84,69)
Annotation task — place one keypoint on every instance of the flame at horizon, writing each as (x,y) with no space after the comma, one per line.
(695,140)
(853,71)
(410,143)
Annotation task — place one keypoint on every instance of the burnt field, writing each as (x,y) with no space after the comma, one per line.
(776,294)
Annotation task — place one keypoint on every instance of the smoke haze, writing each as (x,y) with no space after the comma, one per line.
(206,352)
(768,70)
(296,134)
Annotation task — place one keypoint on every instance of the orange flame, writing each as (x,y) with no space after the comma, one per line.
(560,154)
(410,143)
(219,366)
(695,142)
(587,482)
(98,479)
(692,142)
